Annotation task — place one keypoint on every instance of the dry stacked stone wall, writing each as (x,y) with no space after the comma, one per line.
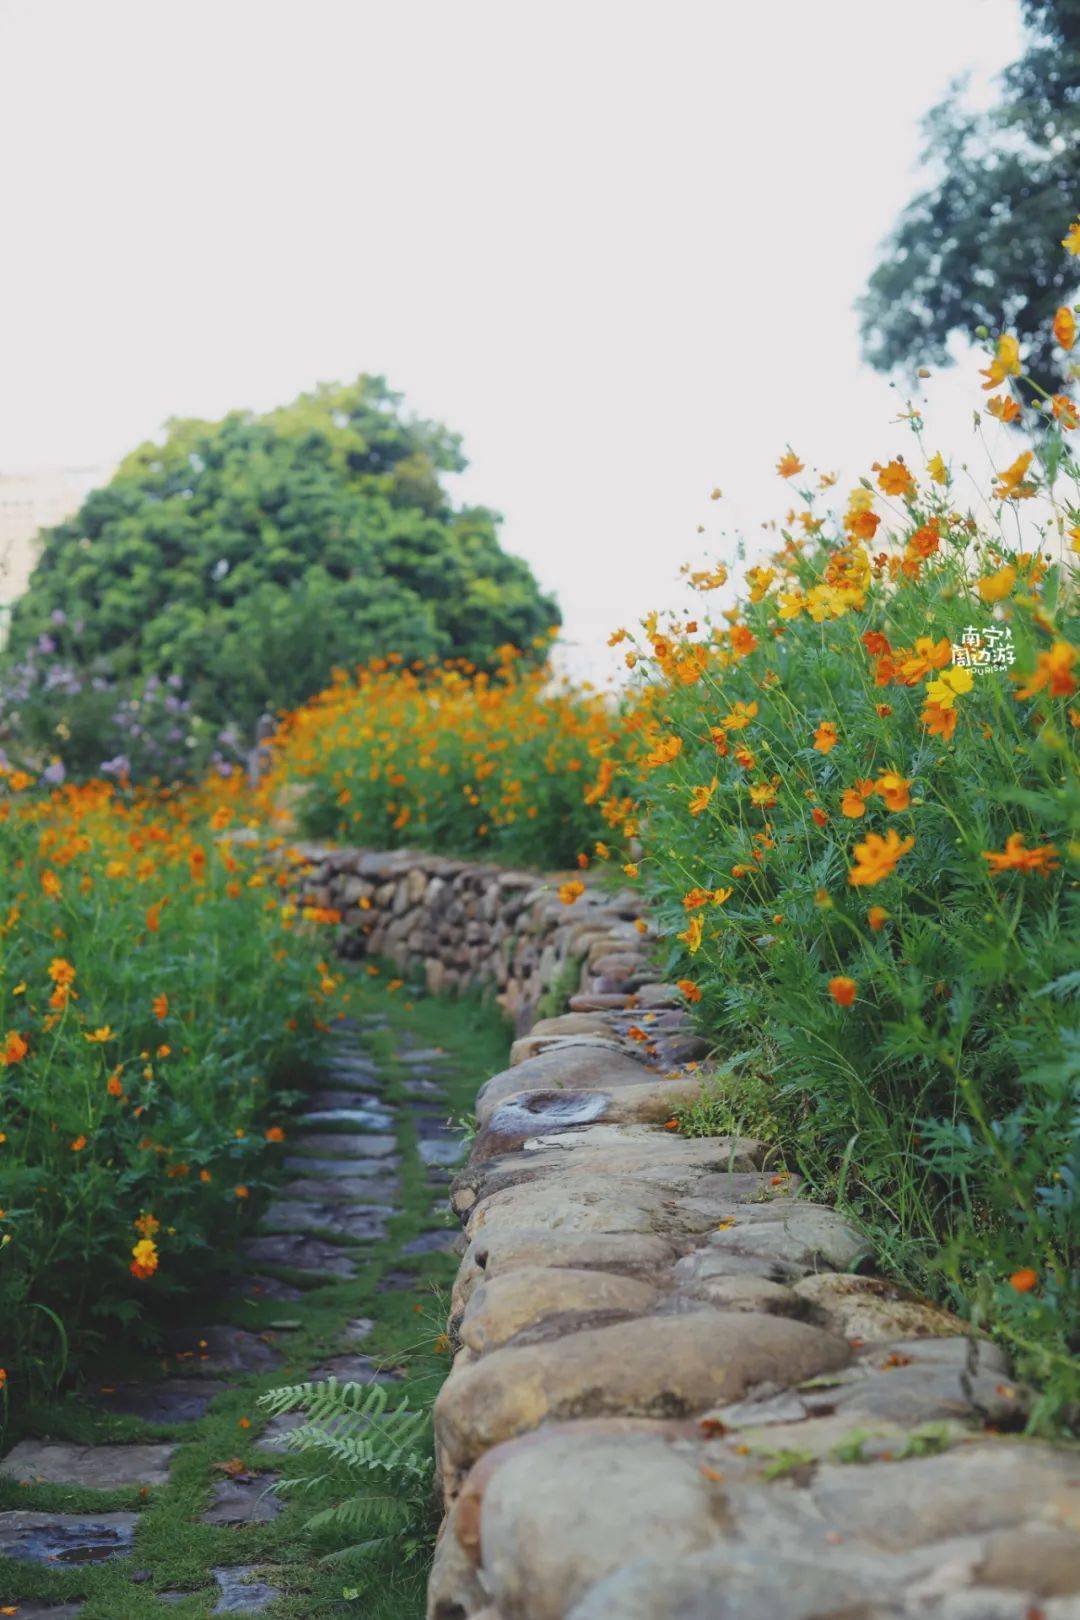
(680,1390)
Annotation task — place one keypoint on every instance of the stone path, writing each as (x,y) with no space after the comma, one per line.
(348,1153)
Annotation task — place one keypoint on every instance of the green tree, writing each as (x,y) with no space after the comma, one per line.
(980,246)
(250,556)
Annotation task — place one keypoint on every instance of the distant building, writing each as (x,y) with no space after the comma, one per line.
(30,502)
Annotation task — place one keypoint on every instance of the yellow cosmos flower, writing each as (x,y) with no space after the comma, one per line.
(950,685)
(996,586)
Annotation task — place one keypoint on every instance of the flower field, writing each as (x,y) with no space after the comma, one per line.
(152,992)
(860,826)
(450,758)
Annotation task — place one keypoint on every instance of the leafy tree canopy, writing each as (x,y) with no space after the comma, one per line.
(248,557)
(981,245)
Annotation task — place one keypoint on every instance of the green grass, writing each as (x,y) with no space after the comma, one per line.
(174,1552)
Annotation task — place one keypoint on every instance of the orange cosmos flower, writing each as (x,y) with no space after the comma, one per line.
(569,892)
(699,798)
(1011,485)
(61,971)
(153,916)
(689,989)
(819,816)
(114,1085)
(1015,858)
(241,1192)
(666,750)
(692,934)
(894,478)
(1005,364)
(826,737)
(1053,672)
(843,990)
(50,883)
(877,917)
(1004,407)
(853,803)
(1024,1280)
(78,1144)
(738,717)
(1065,327)
(789,464)
(693,898)
(875,857)
(743,641)
(1065,412)
(160,1005)
(939,722)
(275,1134)
(763,794)
(926,655)
(894,789)
(15,1048)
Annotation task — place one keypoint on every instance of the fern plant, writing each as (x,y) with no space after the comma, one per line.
(379,1456)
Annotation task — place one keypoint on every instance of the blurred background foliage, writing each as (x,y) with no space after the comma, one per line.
(243,560)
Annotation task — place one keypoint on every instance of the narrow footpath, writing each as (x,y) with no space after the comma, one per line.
(146,1491)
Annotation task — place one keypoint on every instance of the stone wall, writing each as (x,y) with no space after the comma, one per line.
(464,922)
(680,1392)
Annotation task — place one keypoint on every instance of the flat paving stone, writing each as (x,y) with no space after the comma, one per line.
(432,1242)
(343,1167)
(275,1436)
(353,1370)
(441,1151)
(359,1328)
(422,1088)
(167,1400)
(242,1592)
(66,1538)
(259,1287)
(344,1189)
(416,1055)
(101,1468)
(344,1099)
(397,1281)
(246,1499)
(342,1146)
(353,1067)
(297,1252)
(356,1221)
(363,1119)
(223,1349)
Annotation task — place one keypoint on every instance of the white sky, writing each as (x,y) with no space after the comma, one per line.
(614,244)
